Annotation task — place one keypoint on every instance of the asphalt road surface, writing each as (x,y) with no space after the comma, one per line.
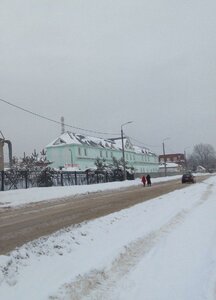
(23,224)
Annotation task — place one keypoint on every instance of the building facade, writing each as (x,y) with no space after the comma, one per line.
(170,168)
(76,151)
(178,158)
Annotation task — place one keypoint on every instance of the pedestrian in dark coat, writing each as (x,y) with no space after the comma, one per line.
(143,180)
(148,178)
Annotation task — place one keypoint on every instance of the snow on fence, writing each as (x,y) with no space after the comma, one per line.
(17,179)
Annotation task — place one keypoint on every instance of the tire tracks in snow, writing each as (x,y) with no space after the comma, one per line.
(97,283)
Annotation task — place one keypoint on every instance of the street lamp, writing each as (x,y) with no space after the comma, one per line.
(164,155)
(123,152)
(71,155)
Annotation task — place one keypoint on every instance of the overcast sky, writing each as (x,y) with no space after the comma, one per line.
(102,63)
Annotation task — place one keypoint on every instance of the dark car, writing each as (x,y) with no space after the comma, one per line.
(188,178)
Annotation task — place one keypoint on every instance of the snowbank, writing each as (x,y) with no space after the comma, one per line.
(162,249)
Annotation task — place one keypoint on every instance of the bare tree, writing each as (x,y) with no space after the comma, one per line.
(203,155)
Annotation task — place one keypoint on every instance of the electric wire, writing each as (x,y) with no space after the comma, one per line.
(52,120)
(145,145)
(68,125)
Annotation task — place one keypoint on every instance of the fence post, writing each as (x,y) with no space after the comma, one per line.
(75,174)
(2,180)
(87,177)
(62,183)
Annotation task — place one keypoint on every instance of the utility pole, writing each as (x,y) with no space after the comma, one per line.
(164,155)
(123,154)
(185,157)
(123,150)
(165,168)
(62,125)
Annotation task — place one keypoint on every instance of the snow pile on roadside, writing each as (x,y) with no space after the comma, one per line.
(21,197)
(162,249)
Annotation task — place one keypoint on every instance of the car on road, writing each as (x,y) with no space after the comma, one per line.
(188,178)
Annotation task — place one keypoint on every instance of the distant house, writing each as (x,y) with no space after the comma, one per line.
(72,150)
(200,169)
(178,158)
(170,168)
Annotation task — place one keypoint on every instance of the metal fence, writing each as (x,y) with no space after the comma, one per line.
(17,179)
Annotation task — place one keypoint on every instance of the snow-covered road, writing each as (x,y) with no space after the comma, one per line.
(162,249)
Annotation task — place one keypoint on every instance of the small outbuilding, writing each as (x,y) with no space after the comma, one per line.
(200,169)
(170,168)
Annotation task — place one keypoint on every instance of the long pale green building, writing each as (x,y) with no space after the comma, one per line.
(80,152)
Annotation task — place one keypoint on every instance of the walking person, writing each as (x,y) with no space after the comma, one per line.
(143,180)
(148,178)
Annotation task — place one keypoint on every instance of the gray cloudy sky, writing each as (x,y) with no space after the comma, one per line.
(102,63)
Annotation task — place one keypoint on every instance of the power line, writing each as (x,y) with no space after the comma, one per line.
(52,120)
(145,145)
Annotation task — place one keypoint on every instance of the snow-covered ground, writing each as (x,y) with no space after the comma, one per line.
(162,249)
(21,197)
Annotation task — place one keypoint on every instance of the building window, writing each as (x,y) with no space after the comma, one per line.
(85,152)
(79,151)
(106,154)
(101,154)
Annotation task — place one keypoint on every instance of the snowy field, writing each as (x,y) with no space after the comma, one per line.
(162,249)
